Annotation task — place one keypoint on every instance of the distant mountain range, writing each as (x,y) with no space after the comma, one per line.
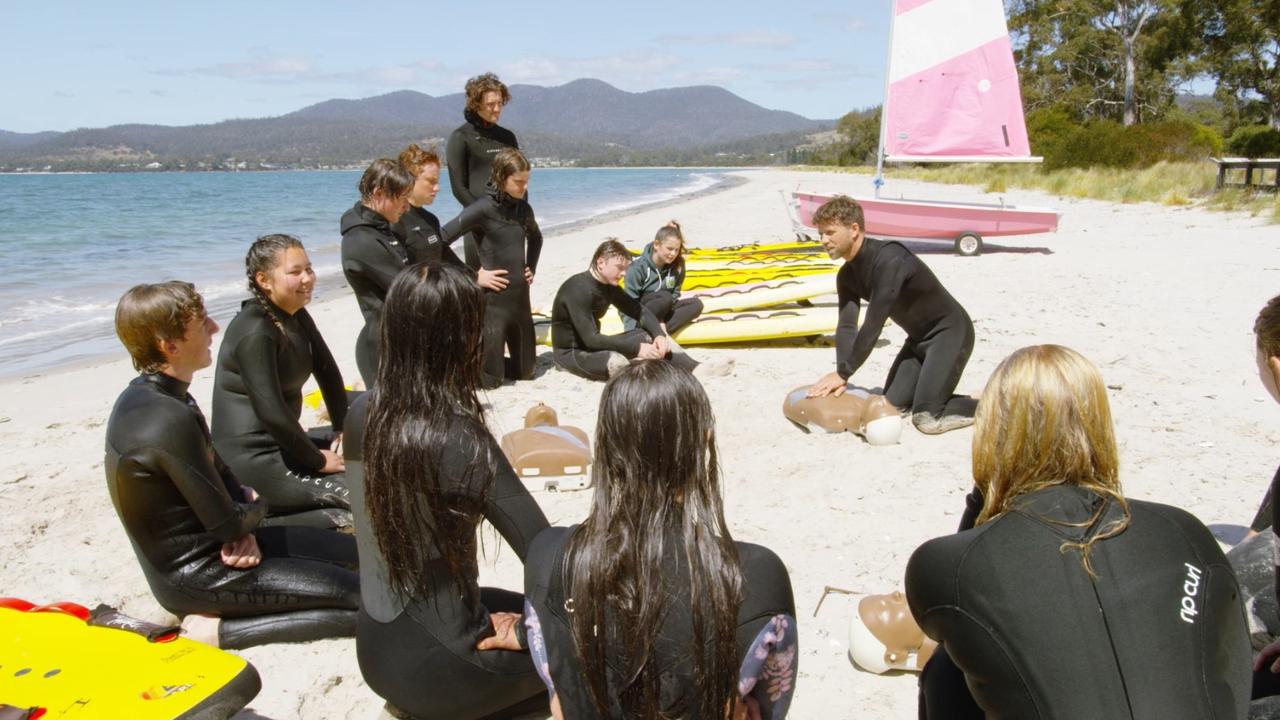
(584,120)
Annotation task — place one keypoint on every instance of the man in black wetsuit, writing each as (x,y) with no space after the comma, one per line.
(194,528)
(473,145)
(897,286)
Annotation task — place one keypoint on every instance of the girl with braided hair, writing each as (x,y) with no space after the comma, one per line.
(270,349)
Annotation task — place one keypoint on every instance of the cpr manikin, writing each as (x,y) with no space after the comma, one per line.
(856,411)
(547,456)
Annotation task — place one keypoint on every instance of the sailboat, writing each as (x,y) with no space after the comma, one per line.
(951,95)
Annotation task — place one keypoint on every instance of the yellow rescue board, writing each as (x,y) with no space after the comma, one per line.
(74,670)
(719,277)
(718,328)
(763,295)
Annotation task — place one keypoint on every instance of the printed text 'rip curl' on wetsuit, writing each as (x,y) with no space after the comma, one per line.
(419,652)
(1158,633)
(257,401)
(179,503)
(898,286)
(576,341)
(372,256)
(469,156)
(508,238)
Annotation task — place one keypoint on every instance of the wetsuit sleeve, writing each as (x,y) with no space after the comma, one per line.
(469,219)
(846,327)
(326,372)
(512,510)
(193,470)
(533,242)
(584,324)
(459,173)
(1264,518)
(891,273)
(256,356)
(632,308)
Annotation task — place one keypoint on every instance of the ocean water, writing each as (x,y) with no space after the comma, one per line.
(71,244)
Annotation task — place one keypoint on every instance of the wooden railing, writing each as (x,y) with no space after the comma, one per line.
(1255,171)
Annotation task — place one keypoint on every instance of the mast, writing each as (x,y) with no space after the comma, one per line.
(884,104)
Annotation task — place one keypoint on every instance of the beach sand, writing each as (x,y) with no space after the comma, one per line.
(1162,299)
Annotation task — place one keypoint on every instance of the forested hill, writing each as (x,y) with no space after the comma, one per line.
(578,120)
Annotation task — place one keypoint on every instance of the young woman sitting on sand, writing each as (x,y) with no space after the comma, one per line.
(656,278)
(508,240)
(424,471)
(1060,598)
(649,608)
(270,349)
(372,255)
(195,529)
(576,341)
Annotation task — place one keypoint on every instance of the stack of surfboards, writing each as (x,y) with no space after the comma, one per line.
(749,293)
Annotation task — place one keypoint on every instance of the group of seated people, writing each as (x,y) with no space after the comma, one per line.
(1058,597)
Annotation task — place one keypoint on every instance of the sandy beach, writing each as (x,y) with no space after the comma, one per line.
(1161,298)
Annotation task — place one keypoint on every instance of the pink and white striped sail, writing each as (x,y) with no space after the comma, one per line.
(952,92)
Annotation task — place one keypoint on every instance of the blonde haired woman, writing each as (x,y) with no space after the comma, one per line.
(1062,598)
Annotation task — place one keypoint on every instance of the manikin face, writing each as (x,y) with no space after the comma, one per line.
(426,186)
(517,185)
(841,242)
(290,282)
(195,350)
(1269,373)
(666,252)
(388,207)
(490,108)
(611,269)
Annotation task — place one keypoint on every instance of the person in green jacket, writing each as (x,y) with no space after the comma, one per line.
(655,279)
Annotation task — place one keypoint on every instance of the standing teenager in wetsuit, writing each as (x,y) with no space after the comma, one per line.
(372,255)
(649,608)
(897,286)
(577,345)
(194,528)
(507,239)
(474,145)
(424,471)
(270,349)
(1060,598)
(656,277)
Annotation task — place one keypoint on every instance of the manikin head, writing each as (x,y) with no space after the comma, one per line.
(840,227)
(1266,330)
(165,329)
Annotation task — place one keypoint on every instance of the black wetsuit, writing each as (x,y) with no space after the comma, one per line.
(502,226)
(1256,565)
(419,653)
(767,590)
(179,503)
(576,341)
(1026,633)
(372,256)
(897,286)
(257,400)
(469,156)
(419,230)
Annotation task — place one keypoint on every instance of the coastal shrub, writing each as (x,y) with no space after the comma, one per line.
(1106,143)
(1047,128)
(1255,141)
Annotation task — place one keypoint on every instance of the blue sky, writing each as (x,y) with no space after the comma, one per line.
(91,64)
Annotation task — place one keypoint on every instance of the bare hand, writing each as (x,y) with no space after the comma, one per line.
(528,276)
(333,462)
(242,553)
(830,384)
(336,445)
(1268,655)
(649,352)
(504,632)
(495,280)
(249,494)
(663,345)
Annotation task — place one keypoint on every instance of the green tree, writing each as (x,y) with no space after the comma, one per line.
(861,132)
(1241,50)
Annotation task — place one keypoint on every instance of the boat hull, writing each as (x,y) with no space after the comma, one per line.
(932,220)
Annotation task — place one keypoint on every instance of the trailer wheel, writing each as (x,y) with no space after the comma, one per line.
(969,244)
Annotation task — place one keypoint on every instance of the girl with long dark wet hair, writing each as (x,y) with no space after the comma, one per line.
(508,239)
(649,608)
(424,471)
(271,348)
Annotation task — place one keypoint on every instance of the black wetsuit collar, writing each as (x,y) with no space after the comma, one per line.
(373,217)
(1068,510)
(167,384)
(475,119)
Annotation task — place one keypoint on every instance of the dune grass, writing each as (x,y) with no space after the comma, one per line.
(1173,184)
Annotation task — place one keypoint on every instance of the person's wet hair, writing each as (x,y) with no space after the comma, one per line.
(506,163)
(1267,328)
(611,247)
(264,255)
(389,176)
(427,379)
(150,313)
(479,85)
(657,481)
(840,210)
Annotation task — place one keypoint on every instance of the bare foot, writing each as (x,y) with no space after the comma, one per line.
(202,628)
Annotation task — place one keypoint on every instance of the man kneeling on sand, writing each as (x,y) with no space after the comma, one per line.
(194,528)
(897,286)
